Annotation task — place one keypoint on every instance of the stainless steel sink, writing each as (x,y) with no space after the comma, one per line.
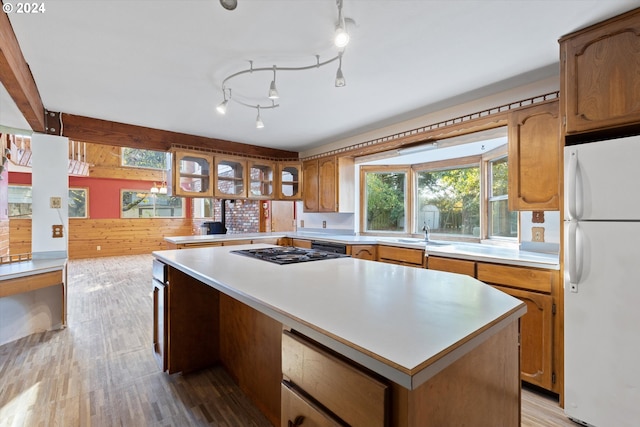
(430,243)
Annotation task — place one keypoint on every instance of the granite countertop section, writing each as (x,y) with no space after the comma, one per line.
(404,323)
(15,270)
(470,251)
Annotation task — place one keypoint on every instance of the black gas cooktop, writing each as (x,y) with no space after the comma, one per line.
(288,254)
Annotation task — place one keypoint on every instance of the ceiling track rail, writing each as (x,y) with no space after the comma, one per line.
(413,133)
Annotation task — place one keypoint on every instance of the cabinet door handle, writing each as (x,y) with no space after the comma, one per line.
(297,422)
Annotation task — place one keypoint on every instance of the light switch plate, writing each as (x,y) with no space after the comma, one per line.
(55,202)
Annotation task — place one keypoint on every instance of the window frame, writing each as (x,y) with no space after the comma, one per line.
(487,159)
(442,165)
(86,202)
(125,190)
(482,161)
(406,169)
(166,161)
(30,216)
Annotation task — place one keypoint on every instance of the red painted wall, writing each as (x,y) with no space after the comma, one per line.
(104,193)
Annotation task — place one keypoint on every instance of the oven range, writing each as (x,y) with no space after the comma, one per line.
(288,254)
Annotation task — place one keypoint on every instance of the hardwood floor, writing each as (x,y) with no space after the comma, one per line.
(100,370)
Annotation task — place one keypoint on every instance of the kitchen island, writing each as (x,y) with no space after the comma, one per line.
(439,348)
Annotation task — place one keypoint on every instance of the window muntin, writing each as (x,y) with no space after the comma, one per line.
(502,223)
(448,201)
(385,200)
(144,204)
(140,158)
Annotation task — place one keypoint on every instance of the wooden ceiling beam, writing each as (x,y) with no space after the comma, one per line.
(97,131)
(17,79)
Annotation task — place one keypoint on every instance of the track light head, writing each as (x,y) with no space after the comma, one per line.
(222,107)
(259,123)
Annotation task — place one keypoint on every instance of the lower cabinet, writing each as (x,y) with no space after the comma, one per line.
(363,252)
(403,256)
(319,385)
(451,265)
(159,314)
(301,243)
(539,356)
(299,410)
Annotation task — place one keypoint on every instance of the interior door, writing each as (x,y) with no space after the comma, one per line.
(282,215)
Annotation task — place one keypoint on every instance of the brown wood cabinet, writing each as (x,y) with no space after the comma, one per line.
(402,256)
(328,184)
(539,355)
(363,251)
(192,174)
(289,181)
(180,345)
(351,394)
(261,179)
(600,83)
(298,410)
(451,265)
(534,158)
(301,243)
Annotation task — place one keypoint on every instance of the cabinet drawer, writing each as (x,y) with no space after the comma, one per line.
(301,243)
(364,252)
(294,406)
(401,255)
(452,265)
(517,277)
(356,397)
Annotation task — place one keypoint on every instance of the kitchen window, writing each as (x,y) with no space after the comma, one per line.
(385,199)
(147,159)
(20,200)
(502,223)
(144,204)
(448,198)
(459,190)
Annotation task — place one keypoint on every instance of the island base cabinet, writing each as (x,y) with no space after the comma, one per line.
(298,410)
(353,395)
(482,388)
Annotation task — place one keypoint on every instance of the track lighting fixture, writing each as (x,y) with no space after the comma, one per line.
(229,4)
(341,40)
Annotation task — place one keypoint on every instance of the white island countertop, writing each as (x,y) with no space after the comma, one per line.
(407,324)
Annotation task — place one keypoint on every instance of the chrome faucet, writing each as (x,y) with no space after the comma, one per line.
(426,230)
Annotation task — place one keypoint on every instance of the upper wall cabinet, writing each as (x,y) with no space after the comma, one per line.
(289,181)
(534,158)
(329,184)
(230,177)
(261,179)
(192,175)
(600,82)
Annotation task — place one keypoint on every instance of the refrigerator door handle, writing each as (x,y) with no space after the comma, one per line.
(572,177)
(573,254)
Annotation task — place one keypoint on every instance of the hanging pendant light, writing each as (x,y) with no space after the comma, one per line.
(259,123)
(273,92)
(340,81)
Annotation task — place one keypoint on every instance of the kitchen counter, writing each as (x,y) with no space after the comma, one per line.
(471,251)
(19,269)
(406,324)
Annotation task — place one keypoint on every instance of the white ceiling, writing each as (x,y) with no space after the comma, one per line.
(160,64)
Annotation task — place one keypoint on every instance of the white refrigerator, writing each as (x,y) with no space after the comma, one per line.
(602,282)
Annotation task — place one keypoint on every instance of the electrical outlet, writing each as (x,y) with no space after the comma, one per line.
(324,224)
(55,202)
(537,234)
(56,231)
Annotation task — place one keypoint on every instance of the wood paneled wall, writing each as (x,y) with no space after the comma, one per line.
(4,237)
(114,236)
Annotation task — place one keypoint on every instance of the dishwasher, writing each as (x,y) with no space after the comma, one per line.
(336,248)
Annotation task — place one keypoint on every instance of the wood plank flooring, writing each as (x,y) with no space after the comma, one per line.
(100,370)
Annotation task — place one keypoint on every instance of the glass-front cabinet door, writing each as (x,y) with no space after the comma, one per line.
(261,176)
(230,175)
(192,175)
(290,181)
